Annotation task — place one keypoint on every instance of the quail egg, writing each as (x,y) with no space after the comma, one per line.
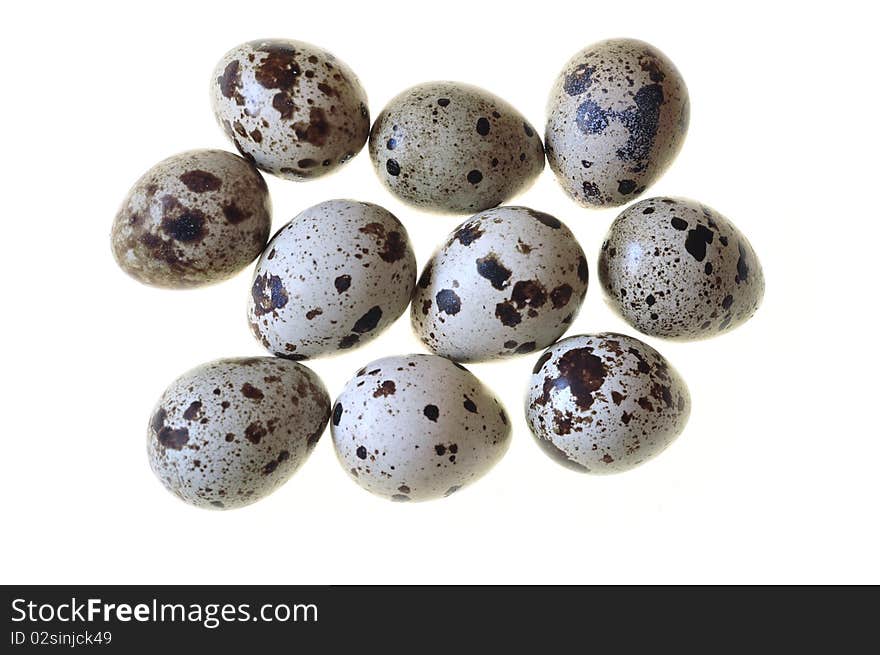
(605,403)
(617,117)
(417,427)
(454,148)
(331,279)
(232,431)
(290,107)
(677,269)
(193,219)
(508,281)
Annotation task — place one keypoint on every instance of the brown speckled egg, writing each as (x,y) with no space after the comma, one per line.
(232,431)
(508,281)
(454,148)
(417,427)
(290,107)
(193,219)
(331,279)
(616,118)
(605,403)
(676,269)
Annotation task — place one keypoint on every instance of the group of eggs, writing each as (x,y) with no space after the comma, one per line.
(508,281)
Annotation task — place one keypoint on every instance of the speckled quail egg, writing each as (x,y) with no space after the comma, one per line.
(417,427)
(232,431)
(616,118)
(331,279)
(675,268)
(454,148)
(508,281)
(290,107)
(193,219)
(605,403)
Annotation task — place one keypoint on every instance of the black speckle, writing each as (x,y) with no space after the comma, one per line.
(546,219)
(727,302)
(591,190)
(392,167)
(392,144)
(697,240)
(626,186)
(431,412)
(679,223)
(443,102)
(650,299)
(264,302)
(475,177)
(742,265)
(361,452)
(468,233)
(490,268)
(425,277)
(469,405)
(448,302)
(583,270)
(579,80)
(337,413)
(528,130)
(342,283)
(526,347)
(368,321)
(507,314)
(188,227)
(482,127)
(543,359)
(349,340)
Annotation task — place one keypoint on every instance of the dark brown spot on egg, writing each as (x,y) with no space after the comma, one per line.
(234,214)
(201,181)
(250,391)
(387,388)
(316,130)
(560,295)
(581,372)
(255,431)
(192,411)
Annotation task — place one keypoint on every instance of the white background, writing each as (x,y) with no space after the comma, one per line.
(776,476)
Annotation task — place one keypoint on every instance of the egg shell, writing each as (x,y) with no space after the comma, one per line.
(417,427)
(508,281)
(290,107)
(616,119)
(677,269)
(454,148)
(193,219)
(331,279)
(605,403)
(232,431)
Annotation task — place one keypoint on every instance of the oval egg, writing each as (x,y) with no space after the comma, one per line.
(605,403)
(193,219)
(290,107)
(677,269)
(617,117)
(417,427)
(508,281)
(454,148)
(331,279)
(232,431)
